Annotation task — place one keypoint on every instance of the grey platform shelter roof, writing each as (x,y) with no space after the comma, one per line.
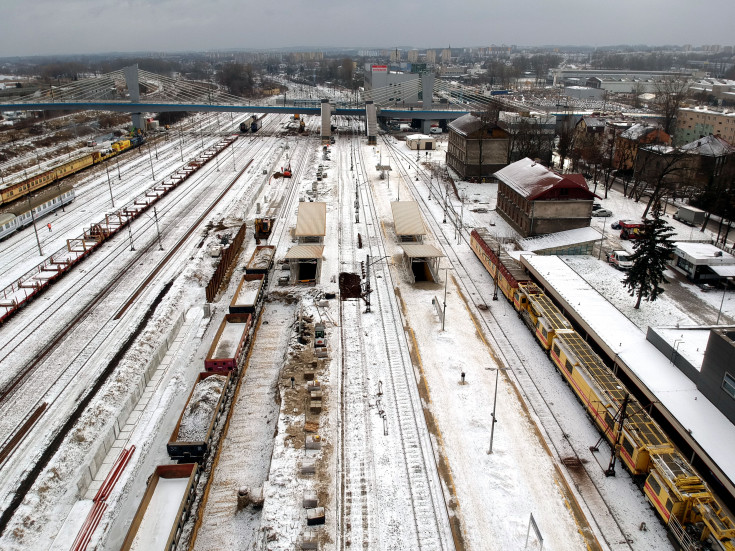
(304,252)
(421,251)
(407,218)
(312,219)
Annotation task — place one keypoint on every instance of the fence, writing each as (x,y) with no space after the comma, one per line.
(225,261)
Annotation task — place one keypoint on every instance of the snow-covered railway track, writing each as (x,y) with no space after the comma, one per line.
(57,389)
(355,495)
(93,194)
(417,488)
(595,503)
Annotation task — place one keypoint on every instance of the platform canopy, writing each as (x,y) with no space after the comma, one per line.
(724,271)
(407,218)
(305,252)
(421,251)
(312,220)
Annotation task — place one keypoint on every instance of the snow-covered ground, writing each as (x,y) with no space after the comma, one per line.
(540,463)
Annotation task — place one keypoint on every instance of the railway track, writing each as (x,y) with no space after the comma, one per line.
(427,527)
(68,375)
(355,495)
(93,193)
(602,514)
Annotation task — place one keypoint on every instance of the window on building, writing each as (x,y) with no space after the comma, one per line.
(728,385)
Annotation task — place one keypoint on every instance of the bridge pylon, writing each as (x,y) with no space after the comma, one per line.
(326,121)
(371,122)
(132,82)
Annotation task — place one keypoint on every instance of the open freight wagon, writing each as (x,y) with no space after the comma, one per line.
(229,342)
(248,294)
(191,438)
(165,506)
(262,260)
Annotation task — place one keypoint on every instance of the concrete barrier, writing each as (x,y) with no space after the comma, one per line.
(101,447)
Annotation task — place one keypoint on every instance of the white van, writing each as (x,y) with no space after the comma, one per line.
(435,130)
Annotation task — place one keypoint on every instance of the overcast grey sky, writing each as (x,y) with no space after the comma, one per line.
(41,27)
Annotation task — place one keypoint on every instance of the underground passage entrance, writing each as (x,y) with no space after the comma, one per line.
(422,261)
(421,271)
(306,270)
(305,263)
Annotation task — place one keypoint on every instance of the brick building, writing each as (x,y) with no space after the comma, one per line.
(476,148)
(534,200)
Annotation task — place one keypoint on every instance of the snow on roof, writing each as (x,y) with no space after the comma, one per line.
(468,124)
(673,389)
(689,342)
(421,251)
(530,179)
(709,111)
(302,252)
(660,148)
(703,254)
(516,255)
(419,137)
(560,239)
(724,271)
(407,218)
(710,146)
(312,219)
(594,122)
(637,131)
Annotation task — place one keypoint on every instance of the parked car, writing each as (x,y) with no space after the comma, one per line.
(601,212)
(620,259)
(615,225)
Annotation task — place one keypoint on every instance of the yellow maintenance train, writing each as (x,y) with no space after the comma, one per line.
(17,190)
(680,497)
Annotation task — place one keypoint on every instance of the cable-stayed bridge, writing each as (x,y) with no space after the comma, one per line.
(135,91)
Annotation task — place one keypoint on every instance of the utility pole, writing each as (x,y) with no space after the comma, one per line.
(35,229)
(150,158)
(155,214)
(109,184)
(367,285)
(444,313)
(614,455)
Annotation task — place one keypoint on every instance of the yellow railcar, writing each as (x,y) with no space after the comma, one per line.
(544,318)
(75,165)
(120,145)
(602,396)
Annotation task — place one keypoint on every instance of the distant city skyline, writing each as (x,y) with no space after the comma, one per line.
(63,27)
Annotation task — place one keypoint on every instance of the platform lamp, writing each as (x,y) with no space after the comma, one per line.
(495,400)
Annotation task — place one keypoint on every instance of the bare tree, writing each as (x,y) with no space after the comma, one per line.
(565,145)
(662,169)
(670,94)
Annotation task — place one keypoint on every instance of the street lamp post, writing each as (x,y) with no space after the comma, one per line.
(722,302)
(495,400)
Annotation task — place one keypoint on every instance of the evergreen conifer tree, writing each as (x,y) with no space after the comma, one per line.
(651,254)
